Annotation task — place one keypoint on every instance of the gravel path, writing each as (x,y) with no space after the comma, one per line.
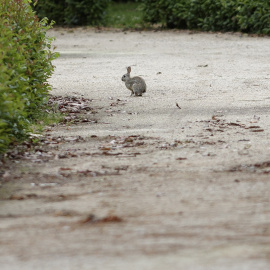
(175,179)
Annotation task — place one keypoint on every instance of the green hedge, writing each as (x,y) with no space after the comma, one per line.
(125,1)
(25,66)
(210,15)
(73,12)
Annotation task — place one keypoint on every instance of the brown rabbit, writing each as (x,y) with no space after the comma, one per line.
(136,85)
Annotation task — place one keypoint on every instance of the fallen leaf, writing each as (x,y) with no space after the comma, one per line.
(110,219)
(253,127)
(234,124)
(92,219)
(65,169)
(65,213)
(121,168)
(89,219)
(214,117)
(257,130)
(16,197)
(264,164)
(181,158)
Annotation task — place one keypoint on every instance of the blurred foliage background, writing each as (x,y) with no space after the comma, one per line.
(250,16)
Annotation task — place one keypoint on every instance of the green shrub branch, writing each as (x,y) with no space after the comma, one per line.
(25,66)
(73,12)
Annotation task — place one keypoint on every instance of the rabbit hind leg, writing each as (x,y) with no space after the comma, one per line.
(137,90)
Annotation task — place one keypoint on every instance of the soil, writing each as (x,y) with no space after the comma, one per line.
(176,179)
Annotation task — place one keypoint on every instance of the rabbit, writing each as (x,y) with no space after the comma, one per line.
(136,85)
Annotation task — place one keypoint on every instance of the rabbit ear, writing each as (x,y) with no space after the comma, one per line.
(128,69)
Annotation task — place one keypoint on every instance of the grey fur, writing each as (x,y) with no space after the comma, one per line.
(136,85)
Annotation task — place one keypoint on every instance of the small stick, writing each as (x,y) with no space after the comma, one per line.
(178,106)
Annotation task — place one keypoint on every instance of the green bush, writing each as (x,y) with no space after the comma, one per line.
(210,15)
(125,1)
(254,16)
(73,12)
(124,15)
(25,66)
(53,10)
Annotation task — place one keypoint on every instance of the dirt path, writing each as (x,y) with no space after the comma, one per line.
(139,183)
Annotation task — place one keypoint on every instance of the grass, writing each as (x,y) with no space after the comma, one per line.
(124,15)
(50,117)
(47,120)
